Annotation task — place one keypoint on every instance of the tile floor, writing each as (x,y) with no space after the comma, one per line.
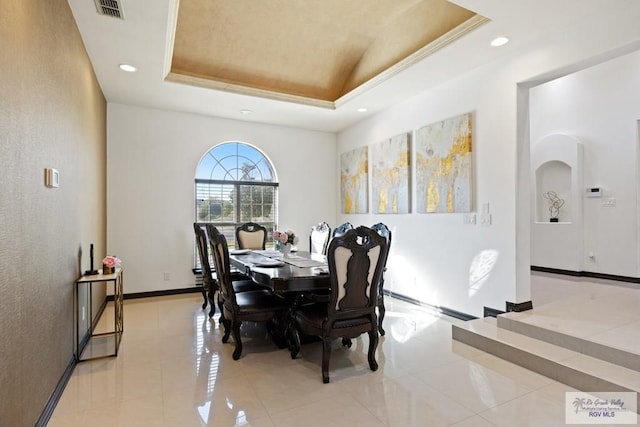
(173,370)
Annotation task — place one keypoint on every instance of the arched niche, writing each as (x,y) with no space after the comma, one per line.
(556,165)
(556,162)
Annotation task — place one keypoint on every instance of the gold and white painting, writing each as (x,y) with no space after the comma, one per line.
(354,173)
(444,166)
(390,168)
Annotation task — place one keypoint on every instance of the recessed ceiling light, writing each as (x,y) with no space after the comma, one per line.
(128,68)
(499,41)
(361,110)
(245,112)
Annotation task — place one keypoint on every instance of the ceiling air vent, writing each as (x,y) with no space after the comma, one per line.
(110,8)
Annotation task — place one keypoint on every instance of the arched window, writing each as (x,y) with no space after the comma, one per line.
(235,183)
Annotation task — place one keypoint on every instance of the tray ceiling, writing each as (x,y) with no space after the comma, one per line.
(311,52)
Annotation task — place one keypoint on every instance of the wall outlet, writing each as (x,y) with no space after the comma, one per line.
(609,202)
(485,219)
(167,277)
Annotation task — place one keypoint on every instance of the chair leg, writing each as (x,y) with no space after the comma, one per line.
(221,307)
(373,344)
(294,342)
(326,354)
(235,329)
(204,297)
(381,312)
(227,327)
(212,297)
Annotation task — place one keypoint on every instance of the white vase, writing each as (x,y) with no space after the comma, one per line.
(285,249)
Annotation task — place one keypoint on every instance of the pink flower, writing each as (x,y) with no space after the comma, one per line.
(285,237)
(111,261)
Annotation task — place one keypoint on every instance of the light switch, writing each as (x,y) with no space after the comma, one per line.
(51,178)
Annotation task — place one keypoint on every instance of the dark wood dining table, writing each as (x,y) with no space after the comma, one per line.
(298,277)
(299,272)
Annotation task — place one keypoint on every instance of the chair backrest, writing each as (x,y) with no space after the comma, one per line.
(384,231)
(319,238)
(251,236)
(203,252)
(220,251)
(342,228)
(355,260)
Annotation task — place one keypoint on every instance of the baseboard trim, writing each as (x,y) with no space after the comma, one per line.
(586,274)
(53,400)
(491,312)
(443,310)
(519,306)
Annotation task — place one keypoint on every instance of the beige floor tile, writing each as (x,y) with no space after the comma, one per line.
(338,410)
(173,370)
(473,385)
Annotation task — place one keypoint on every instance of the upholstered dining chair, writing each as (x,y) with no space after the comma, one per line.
(355,259)
(209,284)
(319,238)
(237,307)
(342,228)
(384,231)
(239,280)
(251,236)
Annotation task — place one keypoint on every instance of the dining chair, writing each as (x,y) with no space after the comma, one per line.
(209,284)
(355,260)
(251,236)
(319,238)
(384,231)
(254,306)
(342,228)
(239,280)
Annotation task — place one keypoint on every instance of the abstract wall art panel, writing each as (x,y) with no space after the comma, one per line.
(444,166)
(354,173)
(390,169)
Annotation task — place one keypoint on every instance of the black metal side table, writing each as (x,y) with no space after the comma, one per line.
(104,342)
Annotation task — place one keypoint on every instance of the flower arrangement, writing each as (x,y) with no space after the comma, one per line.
(285,237)
(111,261)
(109,264)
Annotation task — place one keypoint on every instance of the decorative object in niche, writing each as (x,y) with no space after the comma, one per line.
(443,166)
(555,203)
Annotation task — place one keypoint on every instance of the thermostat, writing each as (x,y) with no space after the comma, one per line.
(594,192)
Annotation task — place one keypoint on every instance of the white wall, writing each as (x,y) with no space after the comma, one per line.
(152,156)
(432,255)
(436,258)
(601,107)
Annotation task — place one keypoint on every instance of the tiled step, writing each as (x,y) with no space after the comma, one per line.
(518,322)
(583,372)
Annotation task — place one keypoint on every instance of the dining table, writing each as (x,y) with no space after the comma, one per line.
(299,277)
(296,272)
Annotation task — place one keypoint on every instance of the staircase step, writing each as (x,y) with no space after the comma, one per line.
(580,371)
(518,322)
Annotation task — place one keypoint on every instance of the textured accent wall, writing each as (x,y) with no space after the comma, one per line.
(52,114)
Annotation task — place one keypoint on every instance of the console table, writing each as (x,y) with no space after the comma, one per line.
(103,342)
